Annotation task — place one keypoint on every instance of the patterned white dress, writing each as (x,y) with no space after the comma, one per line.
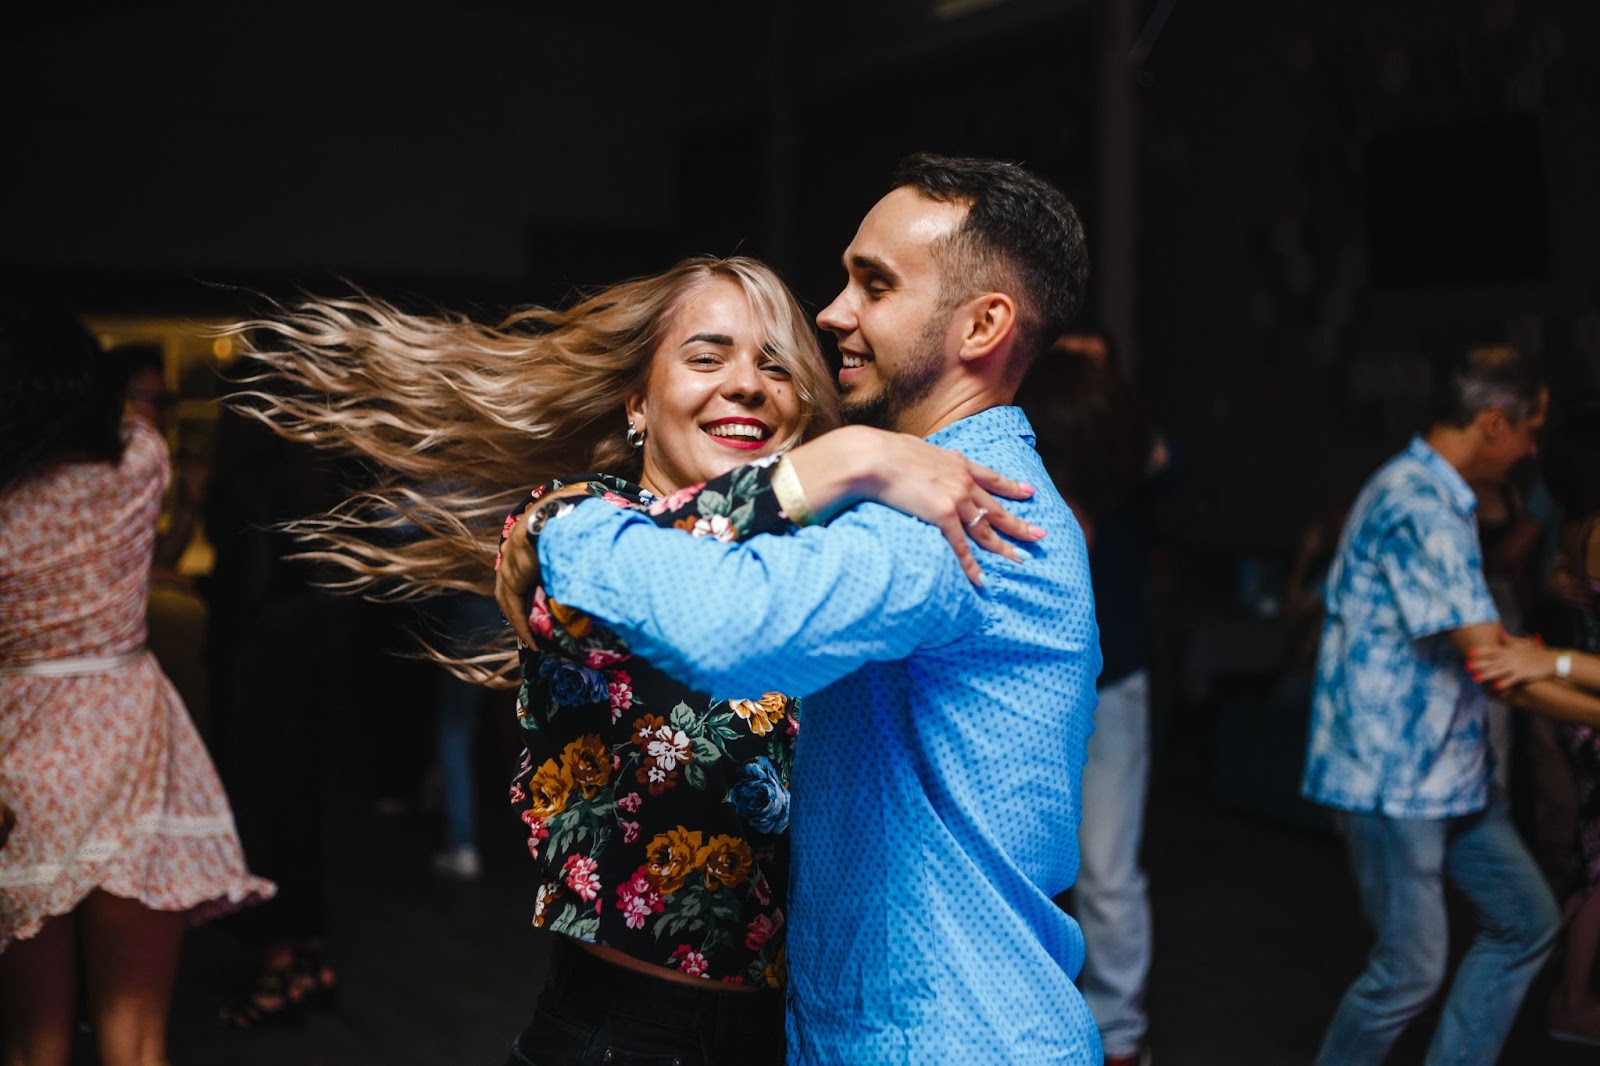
(111,784)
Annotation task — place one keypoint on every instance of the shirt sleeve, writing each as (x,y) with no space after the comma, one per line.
(1434,567)
(790,613)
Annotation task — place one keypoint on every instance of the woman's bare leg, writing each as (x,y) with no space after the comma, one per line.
(38,979)
(1577,971)
(131,959)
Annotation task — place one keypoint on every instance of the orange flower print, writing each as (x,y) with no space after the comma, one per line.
(777,970)
(587,763)
(574,621)
(548,790)
(671,857)
(726,861)
(762,714)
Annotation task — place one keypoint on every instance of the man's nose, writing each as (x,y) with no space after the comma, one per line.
(835,317)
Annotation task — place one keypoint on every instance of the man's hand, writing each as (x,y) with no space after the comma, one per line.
(8,822)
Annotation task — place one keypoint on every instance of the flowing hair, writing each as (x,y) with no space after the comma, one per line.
(456,420)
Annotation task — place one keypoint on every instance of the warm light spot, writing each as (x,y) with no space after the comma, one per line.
(222,347)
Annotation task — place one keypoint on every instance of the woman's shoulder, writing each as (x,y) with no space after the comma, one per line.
(146,465)
(145,448)
(618,490)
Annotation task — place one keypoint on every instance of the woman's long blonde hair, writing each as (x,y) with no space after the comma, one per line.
(458,420)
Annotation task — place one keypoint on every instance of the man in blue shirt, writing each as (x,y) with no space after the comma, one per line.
(1398,737)
(937,773)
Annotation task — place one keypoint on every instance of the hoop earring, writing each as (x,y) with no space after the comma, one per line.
(634,437)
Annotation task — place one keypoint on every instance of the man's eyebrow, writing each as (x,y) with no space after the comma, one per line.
(871,265)
(709,338)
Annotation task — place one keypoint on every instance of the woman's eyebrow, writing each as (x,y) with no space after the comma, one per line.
(709,338)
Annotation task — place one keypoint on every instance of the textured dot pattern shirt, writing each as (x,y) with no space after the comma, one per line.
(1397,726)
(936,798)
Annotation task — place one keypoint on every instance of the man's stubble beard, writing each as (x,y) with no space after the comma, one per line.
(910,385)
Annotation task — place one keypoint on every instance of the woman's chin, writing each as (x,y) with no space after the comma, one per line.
(714,466)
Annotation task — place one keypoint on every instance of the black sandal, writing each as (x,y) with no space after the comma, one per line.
(278,997)
(314,979)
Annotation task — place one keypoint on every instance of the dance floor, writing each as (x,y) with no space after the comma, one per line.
(1257,934)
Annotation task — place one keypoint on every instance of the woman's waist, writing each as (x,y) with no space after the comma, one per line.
(587,988)
(613,957)
(34,632)
(80,665)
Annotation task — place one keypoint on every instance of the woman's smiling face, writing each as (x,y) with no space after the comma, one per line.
(715,397)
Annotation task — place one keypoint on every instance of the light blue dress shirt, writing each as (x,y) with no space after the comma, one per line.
(936,799)
(1397,726)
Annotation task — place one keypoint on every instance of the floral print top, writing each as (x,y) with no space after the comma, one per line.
(658,815)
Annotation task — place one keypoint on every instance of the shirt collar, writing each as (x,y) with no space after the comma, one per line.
(991,423)
(1448,477)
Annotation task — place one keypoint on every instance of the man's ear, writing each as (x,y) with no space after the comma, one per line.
(1493,423)
(987,324)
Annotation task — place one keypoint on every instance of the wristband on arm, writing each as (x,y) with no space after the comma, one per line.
(791,495)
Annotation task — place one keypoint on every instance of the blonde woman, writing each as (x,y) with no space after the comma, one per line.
(657,815)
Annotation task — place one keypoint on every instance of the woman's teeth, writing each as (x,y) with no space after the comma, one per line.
(742,432)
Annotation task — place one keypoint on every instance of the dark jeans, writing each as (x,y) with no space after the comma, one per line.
(592,1013)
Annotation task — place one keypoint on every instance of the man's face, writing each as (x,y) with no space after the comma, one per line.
(890,320)
(1511,442)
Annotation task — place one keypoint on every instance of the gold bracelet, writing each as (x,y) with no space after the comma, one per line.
(791,496)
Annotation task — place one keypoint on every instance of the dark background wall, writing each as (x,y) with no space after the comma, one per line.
(482,154)
(1283,339)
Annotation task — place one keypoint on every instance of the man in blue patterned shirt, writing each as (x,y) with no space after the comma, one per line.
(1398,746)
(937,773)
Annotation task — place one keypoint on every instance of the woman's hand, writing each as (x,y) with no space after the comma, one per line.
(517,568)
(1515,662)
(939,486)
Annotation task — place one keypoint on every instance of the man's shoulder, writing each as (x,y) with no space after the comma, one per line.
(1402,490)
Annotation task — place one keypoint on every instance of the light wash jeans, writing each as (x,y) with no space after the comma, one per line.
(1111,899)
(1401,866)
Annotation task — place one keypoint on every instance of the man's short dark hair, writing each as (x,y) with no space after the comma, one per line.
(1021,235)
(1472,380)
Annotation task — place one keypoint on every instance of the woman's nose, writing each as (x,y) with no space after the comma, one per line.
(744,382)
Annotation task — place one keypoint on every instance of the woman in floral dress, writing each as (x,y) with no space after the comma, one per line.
(657,815)
(122,831)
